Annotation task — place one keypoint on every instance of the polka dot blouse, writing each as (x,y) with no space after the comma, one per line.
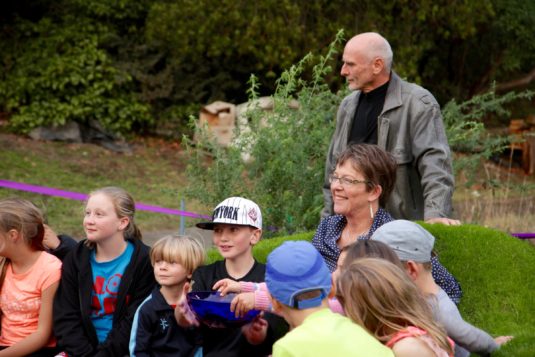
(330,230)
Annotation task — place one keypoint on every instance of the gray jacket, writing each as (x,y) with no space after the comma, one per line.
(410,128)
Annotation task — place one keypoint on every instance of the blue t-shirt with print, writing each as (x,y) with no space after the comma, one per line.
(106,281)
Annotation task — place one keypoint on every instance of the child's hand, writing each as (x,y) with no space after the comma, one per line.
(242,303)
(225,286)
(50,240)
(500,340)
(183,314)
(256,331)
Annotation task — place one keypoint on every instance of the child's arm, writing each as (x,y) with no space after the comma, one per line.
(142,328)
(225,286)
(59,246)
(258,300)
(464,334)
(183,314)
(40,337)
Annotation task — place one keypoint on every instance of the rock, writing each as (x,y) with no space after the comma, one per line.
(69,132)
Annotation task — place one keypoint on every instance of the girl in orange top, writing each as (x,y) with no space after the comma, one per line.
(29,280)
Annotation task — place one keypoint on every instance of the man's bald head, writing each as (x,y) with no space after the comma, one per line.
(372,45)
(367,62)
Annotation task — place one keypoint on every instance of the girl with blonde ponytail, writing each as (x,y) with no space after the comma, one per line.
(105,278)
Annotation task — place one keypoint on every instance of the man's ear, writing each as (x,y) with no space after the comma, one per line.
(255,238)
(378,64)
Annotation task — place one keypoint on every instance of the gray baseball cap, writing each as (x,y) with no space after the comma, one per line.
(408,239)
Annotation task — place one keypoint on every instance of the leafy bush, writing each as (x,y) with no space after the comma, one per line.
(286,174)
(466,132)
(287,147)
(55,75)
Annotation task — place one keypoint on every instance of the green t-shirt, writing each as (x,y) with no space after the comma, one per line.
(325,333)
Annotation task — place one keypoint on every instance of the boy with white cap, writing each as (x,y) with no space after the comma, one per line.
(237,226)
(299,282)
(414,246)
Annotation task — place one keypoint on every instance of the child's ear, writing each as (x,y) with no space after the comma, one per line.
(412,270)
(123,223)
(255,238)
(332,293)
(14,235)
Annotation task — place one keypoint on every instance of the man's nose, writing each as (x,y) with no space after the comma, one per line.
(343,70)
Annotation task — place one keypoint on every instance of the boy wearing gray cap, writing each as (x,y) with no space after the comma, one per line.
(299,282)
(414,246)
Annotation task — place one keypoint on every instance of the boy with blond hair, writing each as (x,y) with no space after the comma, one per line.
(155,331)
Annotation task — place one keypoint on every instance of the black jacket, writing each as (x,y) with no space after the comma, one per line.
(73,328)
(155,331)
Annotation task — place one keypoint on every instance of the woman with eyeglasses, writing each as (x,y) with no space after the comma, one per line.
(361,183)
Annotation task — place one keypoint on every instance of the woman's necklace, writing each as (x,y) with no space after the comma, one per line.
(348,237)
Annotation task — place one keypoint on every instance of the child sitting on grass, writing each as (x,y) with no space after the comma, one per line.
(237,226)
(379,296)
(154,330)
(414,245)
(28,281)
(299,282)
(104,279)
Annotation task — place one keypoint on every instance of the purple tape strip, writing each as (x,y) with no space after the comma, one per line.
(81,197)
(524,235)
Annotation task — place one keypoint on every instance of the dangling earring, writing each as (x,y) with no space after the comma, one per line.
(371,210)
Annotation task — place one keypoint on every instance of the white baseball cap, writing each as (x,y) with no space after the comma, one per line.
(235,210)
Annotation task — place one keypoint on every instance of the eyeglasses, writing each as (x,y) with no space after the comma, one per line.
(344,181)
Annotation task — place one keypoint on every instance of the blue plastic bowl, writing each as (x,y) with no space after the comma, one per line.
(213,309)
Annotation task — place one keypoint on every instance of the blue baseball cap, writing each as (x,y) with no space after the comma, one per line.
(297,267)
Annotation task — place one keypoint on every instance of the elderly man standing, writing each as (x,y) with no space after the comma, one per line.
(400,117)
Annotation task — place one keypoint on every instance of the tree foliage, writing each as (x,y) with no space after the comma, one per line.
(162,59)
(288,146)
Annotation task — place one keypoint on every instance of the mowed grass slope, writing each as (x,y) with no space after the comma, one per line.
(152,173)
(496,272)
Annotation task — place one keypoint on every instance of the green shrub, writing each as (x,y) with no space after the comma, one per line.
(496,274)
(288,153)
(285,175)
(466,131)
(56,75)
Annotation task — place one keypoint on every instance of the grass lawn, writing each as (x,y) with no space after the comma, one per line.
(153,174)
(496,272)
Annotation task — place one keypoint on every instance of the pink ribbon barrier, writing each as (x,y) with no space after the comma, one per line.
(49,191)
(524,235)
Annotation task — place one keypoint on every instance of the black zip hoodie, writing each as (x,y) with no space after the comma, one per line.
(73,328)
